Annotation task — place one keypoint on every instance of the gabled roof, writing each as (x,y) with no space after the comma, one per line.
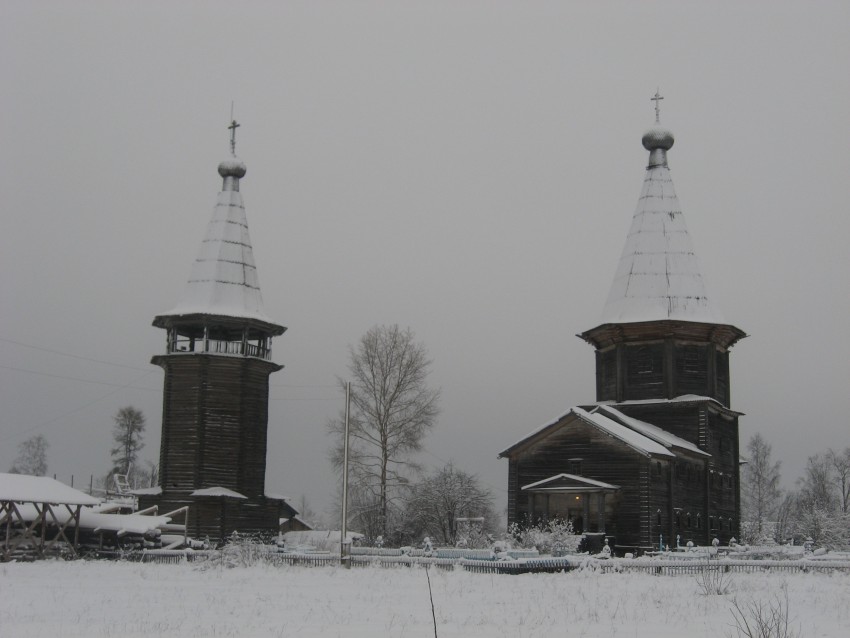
(654,432)
(569,482)
(637,441)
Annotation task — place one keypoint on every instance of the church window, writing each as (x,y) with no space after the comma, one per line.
(699,521)
(575,467)
(691,360)
(688,520)
(643,362)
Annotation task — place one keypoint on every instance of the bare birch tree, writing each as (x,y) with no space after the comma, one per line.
(760,486)
(392,408)
(841,467)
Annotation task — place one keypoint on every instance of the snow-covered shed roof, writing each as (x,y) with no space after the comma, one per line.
(633,439)
(22,488)
(223,280)
(658,276)
(218,491)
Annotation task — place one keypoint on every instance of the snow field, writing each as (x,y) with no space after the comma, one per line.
(104,599)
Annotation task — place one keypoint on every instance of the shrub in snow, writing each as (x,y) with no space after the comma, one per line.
(757,619)
(555,536)
(713,579)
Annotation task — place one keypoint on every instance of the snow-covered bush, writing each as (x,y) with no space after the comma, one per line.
(555,536)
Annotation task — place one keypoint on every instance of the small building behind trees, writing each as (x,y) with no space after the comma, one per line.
(656,457)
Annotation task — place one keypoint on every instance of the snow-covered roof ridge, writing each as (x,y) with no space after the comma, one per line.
(223,280)
(682,399)
(658,276)
(630,437)
(654,432)
(633,439)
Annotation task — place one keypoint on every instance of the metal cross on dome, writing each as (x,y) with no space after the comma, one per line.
(657,98)
(233,126)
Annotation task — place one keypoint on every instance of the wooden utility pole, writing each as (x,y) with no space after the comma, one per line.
(344,550)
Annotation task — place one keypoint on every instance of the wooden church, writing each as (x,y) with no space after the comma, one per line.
(655,459)
(217,363)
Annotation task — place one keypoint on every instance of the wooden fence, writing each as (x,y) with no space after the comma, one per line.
(660,567)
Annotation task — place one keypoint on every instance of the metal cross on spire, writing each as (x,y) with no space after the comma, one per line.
(657,98)
(233,126)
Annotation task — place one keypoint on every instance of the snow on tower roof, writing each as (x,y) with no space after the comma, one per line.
(658,276)
(223,280)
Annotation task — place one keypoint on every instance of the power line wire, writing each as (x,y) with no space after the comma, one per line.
(62,376)
(73,356)
(75,410)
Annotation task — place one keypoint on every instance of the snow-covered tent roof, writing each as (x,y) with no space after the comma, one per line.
(22,488)
(658,276)
(223,280)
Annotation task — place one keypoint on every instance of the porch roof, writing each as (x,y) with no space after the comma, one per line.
(570,484)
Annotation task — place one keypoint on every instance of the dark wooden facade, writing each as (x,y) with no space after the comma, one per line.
(214,424)
(670,374)
(662,360)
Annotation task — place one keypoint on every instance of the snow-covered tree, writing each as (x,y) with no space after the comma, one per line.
(841,469)
(437,502)
(818,512)
(32,457)
(127,435)
(392,408)
(760,491)
(817,489)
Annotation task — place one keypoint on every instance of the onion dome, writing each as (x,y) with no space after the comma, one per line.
(232,167)
(658,140)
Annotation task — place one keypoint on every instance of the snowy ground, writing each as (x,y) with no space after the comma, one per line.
(95,599)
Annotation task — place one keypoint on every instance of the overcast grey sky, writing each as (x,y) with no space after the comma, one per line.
(465,168)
